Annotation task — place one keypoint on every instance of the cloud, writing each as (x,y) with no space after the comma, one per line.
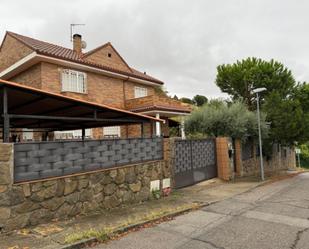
(179,42)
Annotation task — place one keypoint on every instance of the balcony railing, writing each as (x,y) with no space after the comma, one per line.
(154,102)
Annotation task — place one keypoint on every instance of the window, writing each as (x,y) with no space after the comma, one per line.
(73,81)
(109,55)
(111,131)
(75,134)
(140,92)
(27,134)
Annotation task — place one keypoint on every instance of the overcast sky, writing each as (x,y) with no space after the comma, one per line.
(179,42)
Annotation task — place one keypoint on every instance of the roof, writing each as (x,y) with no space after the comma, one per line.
(56,51)
(29,107)
(161,108)
(85,55)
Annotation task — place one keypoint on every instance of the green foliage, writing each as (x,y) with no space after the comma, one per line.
(199,100)
(101,235)
(240,78)
(159,90)
(186,100)
(174,131)
(285,103)
(196,135)
(217,118)
(287,119)
(156,194)
(304,155)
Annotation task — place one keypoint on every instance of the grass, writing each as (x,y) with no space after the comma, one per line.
(107,233)
(101,235)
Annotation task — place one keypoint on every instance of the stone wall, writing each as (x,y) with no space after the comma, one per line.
(37,202)
(283,158)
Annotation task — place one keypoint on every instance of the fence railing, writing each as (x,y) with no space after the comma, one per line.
(39,160)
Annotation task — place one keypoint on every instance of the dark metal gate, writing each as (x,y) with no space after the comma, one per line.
(195,161)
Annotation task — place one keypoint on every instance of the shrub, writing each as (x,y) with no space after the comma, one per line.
(217,118)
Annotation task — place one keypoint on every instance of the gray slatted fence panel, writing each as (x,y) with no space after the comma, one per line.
(40,160)
(195,161)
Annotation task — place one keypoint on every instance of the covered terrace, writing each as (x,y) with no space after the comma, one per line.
(27,107)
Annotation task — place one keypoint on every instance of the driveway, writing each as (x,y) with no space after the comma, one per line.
(273,216)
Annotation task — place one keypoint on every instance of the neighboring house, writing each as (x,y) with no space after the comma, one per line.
(100,75)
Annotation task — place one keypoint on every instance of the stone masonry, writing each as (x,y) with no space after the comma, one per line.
(36,202)
(281,159)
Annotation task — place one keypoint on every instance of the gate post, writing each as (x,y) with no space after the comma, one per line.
(169,158)
(238,157)
(223,161)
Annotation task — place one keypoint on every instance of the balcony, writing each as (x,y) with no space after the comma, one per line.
(158,103)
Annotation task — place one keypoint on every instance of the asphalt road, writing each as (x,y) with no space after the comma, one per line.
(274,216)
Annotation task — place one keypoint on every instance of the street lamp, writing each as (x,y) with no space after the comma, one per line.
(257,91)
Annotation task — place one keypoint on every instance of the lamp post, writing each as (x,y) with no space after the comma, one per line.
(257,91)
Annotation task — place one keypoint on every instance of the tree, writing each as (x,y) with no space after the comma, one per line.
(186,100)
(159,90)
(199,100)
(219,119)
(175,97)
(240,78)
(286,118)
(285,104)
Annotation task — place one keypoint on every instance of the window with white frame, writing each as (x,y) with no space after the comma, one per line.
(140,92)
(111,131)
(27,134)
(73,81)
(75,134)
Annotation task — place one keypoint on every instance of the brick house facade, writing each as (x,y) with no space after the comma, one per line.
(102,76)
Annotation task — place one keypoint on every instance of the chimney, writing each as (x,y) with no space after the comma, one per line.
(77,43)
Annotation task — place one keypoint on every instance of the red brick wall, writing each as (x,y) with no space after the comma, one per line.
(101,57)
(130,88)
(101,89)
(30,77)
(223,161)
(12,51)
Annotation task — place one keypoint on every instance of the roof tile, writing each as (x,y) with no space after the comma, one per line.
(60,52)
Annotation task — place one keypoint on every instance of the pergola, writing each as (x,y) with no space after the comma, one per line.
(27,107)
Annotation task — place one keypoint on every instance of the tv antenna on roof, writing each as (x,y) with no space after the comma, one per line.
(72,25)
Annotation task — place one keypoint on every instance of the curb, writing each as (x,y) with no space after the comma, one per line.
(80,244)
(86,242)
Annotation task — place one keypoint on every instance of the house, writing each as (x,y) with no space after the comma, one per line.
(100,75)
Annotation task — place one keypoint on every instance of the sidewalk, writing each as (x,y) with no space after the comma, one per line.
(65,233)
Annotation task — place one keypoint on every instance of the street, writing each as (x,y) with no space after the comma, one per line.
(268,217)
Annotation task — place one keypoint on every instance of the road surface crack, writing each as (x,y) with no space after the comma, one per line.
(298,237)
(209,243)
